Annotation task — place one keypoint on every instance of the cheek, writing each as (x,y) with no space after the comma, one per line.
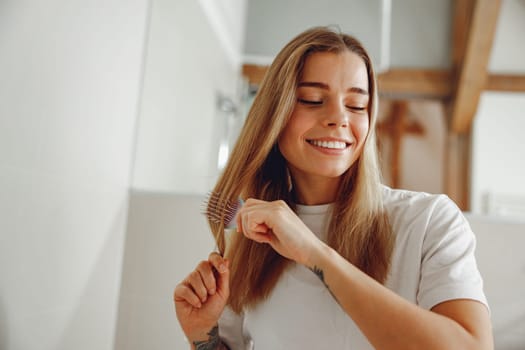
(285,141)
(360,129)
(292,132)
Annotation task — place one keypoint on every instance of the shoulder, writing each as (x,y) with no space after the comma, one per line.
(399,198)
(434,251)
(408,205)
(424,217)
(433,230)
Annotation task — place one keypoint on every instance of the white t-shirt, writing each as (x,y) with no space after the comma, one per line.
(433,261)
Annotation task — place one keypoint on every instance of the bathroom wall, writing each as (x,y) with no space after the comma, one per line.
(501,262)
(167,237)
(187,68)
(70,75)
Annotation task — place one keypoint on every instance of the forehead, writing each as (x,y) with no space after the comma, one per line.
(346,69)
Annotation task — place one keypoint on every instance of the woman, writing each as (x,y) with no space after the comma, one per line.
(324,256)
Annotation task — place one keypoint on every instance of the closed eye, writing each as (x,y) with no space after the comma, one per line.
(309,102)
(355,108)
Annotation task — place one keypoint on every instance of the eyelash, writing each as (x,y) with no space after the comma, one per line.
(309,102)
(318,103)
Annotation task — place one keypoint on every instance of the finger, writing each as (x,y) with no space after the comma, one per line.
(259,237)
(217,261)
(207,276)
(252,201)
(222,266)
(183,293)
(253,221)
(260,228)
(243,213)
(197,284)
(238,219)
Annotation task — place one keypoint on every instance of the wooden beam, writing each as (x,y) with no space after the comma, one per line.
(457,158)
(254,73)
(466,34)
(472,74)
(506,82)
(394,127)
(461,23)
(415,83)
(394,84)
(404,83)
(458,168)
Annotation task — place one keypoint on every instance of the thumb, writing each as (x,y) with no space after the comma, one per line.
(223,283)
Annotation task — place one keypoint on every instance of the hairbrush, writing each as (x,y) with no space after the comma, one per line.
(219,210)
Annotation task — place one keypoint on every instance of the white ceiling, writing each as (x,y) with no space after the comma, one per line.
(420,34)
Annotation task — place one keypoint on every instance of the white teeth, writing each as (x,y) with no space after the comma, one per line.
(329,144)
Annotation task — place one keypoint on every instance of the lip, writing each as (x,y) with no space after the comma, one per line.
(328,139)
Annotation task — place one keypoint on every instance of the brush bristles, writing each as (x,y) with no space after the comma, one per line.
(218,210)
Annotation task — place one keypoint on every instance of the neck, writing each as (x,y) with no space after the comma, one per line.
(316,191)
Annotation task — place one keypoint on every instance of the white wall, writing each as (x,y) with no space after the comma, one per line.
(70,73)
(188,64)
(499,254)
(498,168)
(186,68)
(167,237)
(227,18)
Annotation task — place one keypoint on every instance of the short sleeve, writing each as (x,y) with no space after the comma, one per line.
(448,267)
(230,329)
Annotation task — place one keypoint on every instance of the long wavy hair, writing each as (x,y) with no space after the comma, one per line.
(359,229)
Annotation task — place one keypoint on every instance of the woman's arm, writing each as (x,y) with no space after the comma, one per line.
(391,322)
(200,300)
(212,343)
(386,319)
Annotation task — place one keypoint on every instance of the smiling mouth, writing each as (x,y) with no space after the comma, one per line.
(328,144)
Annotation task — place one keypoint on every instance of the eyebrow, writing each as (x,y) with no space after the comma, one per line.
(324,86)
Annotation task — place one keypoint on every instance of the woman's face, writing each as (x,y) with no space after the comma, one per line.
(330,121)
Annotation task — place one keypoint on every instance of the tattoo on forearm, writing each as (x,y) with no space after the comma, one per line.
(319,273)
(213,342)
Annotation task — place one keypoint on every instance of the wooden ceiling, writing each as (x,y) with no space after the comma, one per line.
(459,88)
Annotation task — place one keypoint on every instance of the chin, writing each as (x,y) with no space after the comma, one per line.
(333,174)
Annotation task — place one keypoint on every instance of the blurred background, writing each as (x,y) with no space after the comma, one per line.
(116,117)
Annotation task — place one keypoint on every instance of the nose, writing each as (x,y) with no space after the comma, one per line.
(337,115)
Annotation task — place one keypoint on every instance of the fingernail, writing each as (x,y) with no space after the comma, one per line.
(222,268)
(212,291)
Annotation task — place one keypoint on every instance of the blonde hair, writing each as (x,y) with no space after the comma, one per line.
(358,230)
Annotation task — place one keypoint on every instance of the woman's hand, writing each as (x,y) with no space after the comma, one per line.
(276,224)
(201,297)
